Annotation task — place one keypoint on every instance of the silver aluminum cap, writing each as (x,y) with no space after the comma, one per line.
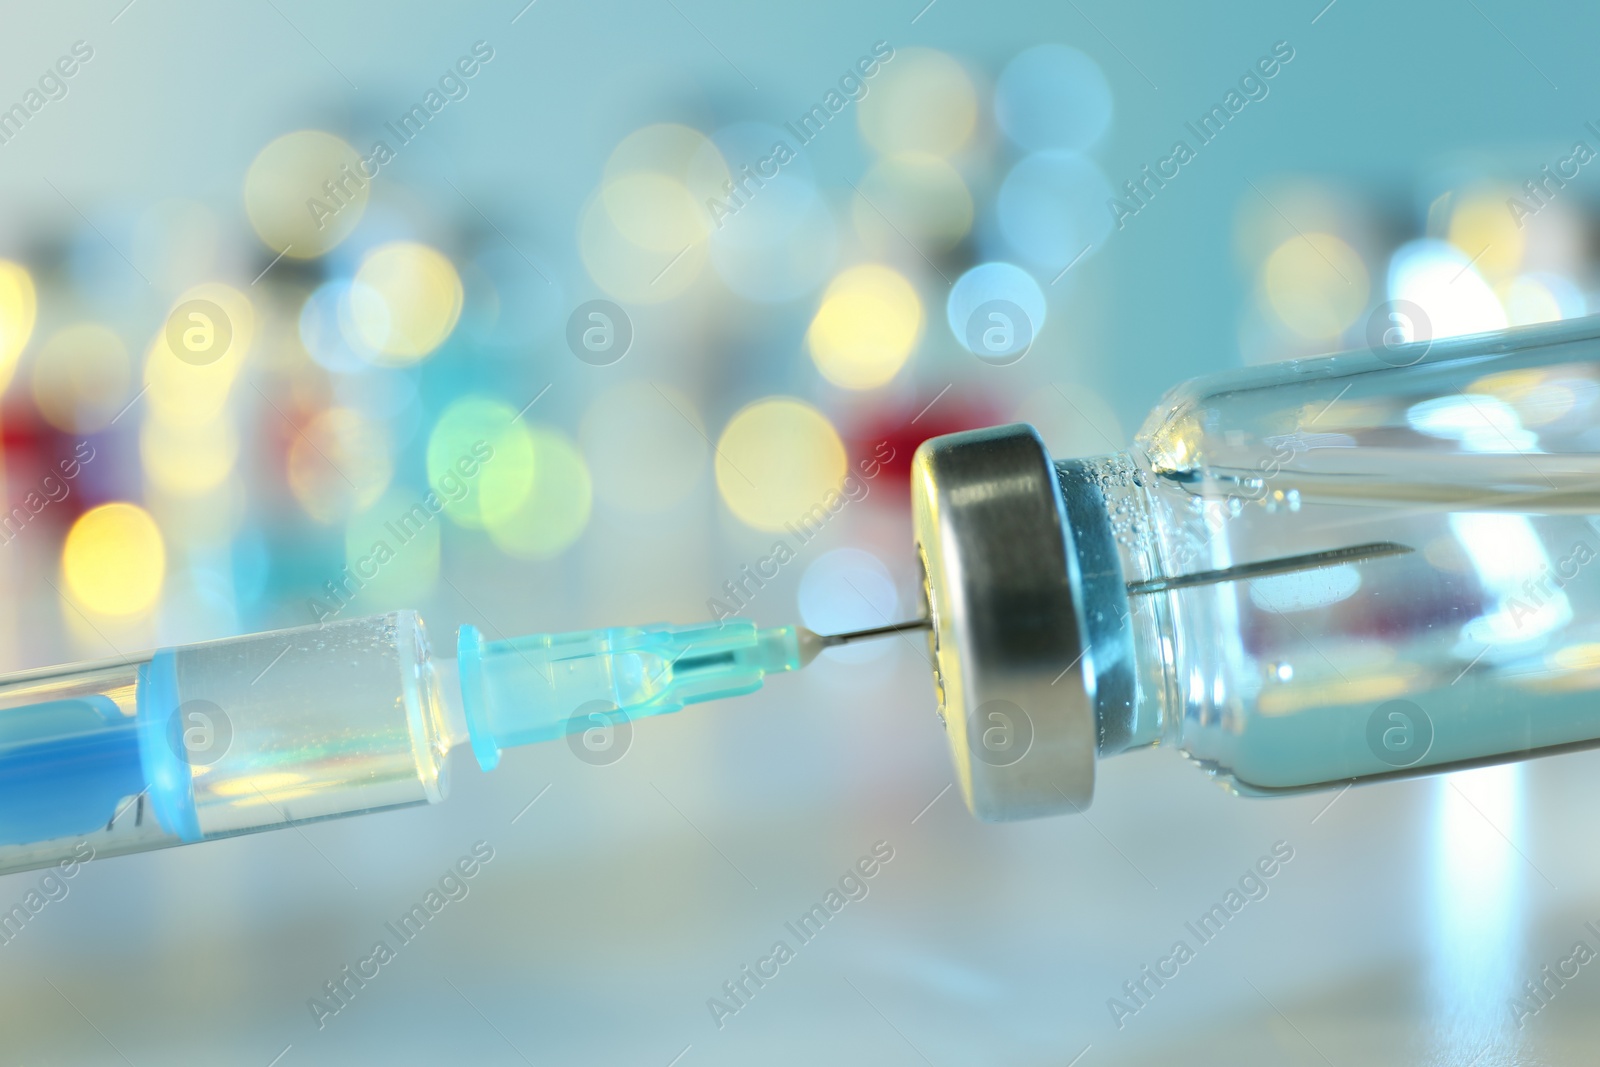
(1016,689)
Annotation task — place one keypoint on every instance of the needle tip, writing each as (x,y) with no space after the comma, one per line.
(832,640)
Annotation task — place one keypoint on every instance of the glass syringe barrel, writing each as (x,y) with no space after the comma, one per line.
(253,733)
(216,739)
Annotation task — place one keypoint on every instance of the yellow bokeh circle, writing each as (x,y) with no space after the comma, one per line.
(114,560)
(81,378)
(656,211)
(404,301)
(186,393)
(670,148)
(656,184)
(869,321)
(305,192)
(923,101)
(777,460)
(628,271)
(1316,284)
(643,235)
(1529,300)
(19,309)
(1488,234)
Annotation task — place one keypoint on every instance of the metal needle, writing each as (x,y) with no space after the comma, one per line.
(1259,569)
(830,640)
(1263,568)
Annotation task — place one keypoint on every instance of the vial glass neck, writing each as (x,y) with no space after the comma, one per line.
(1116,543)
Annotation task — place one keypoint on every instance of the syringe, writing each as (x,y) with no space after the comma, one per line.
(275,729)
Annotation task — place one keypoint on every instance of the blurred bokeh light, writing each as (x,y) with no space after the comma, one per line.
(777,458)
(114,560)
(866,327)
(305,192)
(404,301)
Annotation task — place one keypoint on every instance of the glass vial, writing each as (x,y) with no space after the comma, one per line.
(1301,574)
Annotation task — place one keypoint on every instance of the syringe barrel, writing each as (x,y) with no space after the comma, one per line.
(215,739)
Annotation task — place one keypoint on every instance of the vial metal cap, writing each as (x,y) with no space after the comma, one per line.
(1000,574)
